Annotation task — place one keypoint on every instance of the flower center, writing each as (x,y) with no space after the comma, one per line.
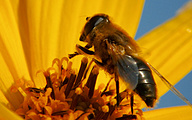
(65,96)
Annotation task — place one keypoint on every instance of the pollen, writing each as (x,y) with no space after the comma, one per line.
(71,95)
(105,108)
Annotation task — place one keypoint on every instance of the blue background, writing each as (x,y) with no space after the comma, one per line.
(155,13)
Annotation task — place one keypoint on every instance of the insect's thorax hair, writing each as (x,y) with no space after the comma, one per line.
(111,33)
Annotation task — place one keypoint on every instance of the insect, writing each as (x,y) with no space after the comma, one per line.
(118,54)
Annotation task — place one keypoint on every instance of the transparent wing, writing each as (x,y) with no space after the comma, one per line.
(170,86)
(127,70)
(126,66)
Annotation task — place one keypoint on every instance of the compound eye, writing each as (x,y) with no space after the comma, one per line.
(99,20)
(92,23)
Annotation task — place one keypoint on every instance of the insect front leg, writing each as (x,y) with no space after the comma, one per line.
(73,55)
(81,50)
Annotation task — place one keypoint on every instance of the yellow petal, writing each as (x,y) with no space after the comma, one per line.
(10,45)
(169,48)
(6,81)
(6,114)
(12,59)
(173,113)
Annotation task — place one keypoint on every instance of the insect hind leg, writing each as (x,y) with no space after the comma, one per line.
(117,89)
(132,100)
(116,81)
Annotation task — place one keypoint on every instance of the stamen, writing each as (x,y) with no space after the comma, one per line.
(49,85)
(84,62)
(70,84)
(105,108)
(104,91)
(76,97)
(65,81)
(65,97)
(59,113)
(36,90)
(92,80)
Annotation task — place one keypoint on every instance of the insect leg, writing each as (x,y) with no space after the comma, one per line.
(81,50)
(85,50)
(85,74)
(117,88)
(116,80)
(132,100)
(73,55)
(100,64)
(88,67)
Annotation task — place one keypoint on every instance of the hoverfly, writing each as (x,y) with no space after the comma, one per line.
(118,54)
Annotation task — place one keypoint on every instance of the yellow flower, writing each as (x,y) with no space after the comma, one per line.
(33,33)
